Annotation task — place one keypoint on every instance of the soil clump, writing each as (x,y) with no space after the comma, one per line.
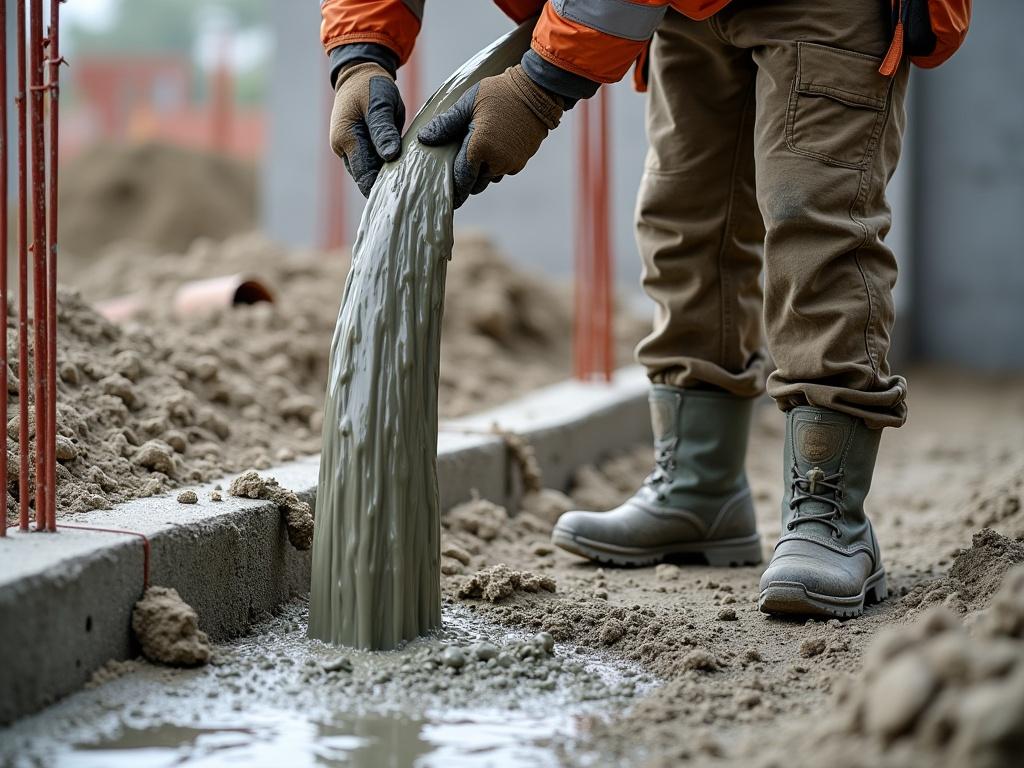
(499,582)
(297,514)
(168,629)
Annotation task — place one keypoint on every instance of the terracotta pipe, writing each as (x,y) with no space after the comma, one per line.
(195,297)
(201,296)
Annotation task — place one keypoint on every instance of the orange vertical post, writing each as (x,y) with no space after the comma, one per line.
(54,61)
(39,309)
(592,316)
(23,366)
(3,248)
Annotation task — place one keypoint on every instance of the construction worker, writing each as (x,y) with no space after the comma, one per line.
(774,126)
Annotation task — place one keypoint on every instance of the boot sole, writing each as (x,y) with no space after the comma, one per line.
(727,552)
(794,599)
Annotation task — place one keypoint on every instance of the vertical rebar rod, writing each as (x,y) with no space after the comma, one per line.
(581,292)
(23,381)
(604,251)
(39,309)
(3,250)
(54,61)
(592,318)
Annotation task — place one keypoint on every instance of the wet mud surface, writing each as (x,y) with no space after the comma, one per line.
(698,676)
(473,693)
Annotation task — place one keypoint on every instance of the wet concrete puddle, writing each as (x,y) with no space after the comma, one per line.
(474,694)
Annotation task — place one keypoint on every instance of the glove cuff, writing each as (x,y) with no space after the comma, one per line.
(345,56)
(545,106)
(363,70)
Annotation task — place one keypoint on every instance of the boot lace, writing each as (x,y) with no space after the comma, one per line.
(664,466)
(816,486)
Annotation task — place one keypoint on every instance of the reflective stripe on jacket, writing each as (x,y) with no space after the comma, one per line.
(596,39)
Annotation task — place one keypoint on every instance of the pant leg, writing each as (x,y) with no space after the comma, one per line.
(827,140)
(698,227)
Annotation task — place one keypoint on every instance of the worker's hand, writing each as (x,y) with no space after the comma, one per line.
(366,121)
(500,123)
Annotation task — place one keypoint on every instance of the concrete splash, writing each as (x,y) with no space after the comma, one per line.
(376,546)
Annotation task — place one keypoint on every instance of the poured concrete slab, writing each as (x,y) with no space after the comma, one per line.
(66,598)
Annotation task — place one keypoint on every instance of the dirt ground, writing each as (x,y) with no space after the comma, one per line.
(932,676)
(653,666)
(742,688)
(161,400)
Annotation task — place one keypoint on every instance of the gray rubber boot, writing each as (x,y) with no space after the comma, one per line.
(696,501)
(827,561)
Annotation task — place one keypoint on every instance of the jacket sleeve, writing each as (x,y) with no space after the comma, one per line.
(393,24)
(596,39)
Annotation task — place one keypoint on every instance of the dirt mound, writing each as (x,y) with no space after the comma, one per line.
(153,194)
(139,412)
(162,401)
(933,693)
(973,578)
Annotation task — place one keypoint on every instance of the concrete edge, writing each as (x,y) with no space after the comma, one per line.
(66,599)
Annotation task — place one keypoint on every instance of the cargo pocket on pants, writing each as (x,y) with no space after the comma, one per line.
(837,106)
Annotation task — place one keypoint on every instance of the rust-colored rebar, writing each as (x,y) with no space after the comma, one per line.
(603,250)
(3,251)
(592,316)
(23,381)
(39,309)
(54,61)
(581,285)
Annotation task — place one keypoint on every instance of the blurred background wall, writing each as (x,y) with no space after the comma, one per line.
(246,81)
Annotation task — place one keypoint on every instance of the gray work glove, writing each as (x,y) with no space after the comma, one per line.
(366,121)
(500,123)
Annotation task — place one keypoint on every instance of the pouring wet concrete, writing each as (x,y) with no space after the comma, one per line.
(376,546)
(472,693)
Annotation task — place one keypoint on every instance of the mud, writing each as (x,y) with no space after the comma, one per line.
(473,694)
(376,550)
(297,514)
(694,685)
(167,628)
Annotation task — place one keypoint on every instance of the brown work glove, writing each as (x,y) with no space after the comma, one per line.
(500,123)
(366,121)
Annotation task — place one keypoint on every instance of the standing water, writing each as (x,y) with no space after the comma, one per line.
(376,547)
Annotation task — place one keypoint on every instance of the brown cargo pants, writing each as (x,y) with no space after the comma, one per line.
(770,127)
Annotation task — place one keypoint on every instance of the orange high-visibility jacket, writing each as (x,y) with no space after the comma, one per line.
(596,39)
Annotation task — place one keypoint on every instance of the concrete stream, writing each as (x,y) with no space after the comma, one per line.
(473,694)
